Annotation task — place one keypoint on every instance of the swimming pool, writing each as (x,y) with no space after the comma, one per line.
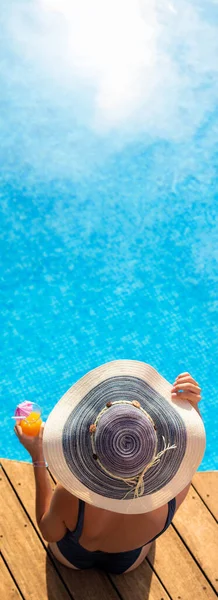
(108,201)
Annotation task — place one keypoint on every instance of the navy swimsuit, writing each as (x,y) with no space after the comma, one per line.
(111,562)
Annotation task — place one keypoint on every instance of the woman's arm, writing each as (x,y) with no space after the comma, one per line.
(49,506)
(43,487)
(186,388)
(182,495)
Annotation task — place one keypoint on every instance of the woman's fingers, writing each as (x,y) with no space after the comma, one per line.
(41,430)
(195,398)
(187,388)
(182,374)
(192,387)
(18,430)
(185,377)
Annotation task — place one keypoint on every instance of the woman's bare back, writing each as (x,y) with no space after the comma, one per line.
(114,532)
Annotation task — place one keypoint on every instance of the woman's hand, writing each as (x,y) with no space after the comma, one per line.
(186,388)
(32,444)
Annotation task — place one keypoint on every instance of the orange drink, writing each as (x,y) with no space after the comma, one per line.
(28,416)
(32,423)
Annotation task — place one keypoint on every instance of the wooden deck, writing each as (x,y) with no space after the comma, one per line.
(181,565)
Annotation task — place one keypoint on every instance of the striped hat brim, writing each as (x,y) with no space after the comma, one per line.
(170,434)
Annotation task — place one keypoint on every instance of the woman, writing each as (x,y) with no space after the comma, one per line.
(124,445)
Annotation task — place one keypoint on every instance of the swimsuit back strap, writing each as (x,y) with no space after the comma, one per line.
(171,512)
(76,534)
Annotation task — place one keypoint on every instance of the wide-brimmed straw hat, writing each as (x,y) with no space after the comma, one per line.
(118,441)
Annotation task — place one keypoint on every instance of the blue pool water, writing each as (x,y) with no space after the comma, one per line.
(108,188)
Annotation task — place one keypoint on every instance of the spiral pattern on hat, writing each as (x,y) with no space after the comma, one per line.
(125,450)
(77,446)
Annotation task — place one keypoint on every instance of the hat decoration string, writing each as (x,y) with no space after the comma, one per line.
(136,482)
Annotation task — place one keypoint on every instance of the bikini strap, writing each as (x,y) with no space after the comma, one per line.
(76,534)
(171,512)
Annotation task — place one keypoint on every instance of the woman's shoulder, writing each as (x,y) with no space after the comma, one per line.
(65,499)
(69,502)
(68,505)
(182,495)
(63,492)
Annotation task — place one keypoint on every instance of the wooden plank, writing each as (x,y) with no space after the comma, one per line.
(206,484)
(22,477)
(96,585)
(199,531)
(24,553)
(180,575)
(140,584)
(177,569)
(8,589)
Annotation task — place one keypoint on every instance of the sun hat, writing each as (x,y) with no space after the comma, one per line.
(118,441)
